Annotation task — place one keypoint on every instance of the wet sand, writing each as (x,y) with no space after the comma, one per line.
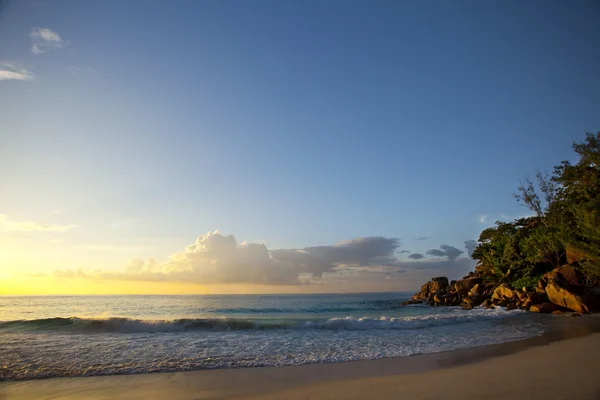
(561,364)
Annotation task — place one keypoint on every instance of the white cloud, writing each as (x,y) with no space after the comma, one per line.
(9,71)
(483,218)
(29,226)
(361,264)
(214,258)
(45,40)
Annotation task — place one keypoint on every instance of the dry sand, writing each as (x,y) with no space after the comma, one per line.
(564,364)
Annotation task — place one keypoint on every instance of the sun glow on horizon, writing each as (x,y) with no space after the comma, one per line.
(48,260)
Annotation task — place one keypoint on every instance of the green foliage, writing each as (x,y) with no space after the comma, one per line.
(528,282)
(567,208)
(591,270)
(579,198)
(543,245)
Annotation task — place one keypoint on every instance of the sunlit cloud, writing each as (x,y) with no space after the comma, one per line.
(45,40)
(217,259)
(67,273)
(357,264)
(7,225)
(10,71)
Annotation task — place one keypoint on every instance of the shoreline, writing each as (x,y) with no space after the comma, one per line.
(267,381)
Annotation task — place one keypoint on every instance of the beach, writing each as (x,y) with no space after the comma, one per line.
(299,200)
(561,364)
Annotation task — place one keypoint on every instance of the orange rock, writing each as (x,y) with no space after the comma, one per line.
(563,297)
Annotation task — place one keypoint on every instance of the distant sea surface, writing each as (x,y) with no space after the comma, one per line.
(43,337)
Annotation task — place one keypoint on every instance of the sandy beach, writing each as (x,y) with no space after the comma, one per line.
(561,364)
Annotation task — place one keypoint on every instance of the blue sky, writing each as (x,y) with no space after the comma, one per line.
(294,124)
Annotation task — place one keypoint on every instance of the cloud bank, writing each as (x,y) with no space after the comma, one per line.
(217,259)
(44,40)
(366,263)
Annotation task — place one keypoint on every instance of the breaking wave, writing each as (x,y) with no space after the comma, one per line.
(128,325)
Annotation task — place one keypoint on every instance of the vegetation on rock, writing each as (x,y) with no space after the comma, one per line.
(565,227)
(546,263)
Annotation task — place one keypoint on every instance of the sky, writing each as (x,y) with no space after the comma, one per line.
(276,146)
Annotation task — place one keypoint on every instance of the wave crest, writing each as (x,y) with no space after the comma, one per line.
(128,325)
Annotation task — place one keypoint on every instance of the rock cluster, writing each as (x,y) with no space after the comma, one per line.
(561,289)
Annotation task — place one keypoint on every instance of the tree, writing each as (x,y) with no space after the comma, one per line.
(537,195)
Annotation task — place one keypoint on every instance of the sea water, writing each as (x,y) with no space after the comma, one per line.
(52,336)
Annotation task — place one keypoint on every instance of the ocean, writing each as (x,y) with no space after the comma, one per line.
(55,336)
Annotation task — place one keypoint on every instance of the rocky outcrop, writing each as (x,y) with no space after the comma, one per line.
(408,302)
(439,284)
(563,297)
(503,292)
(468,292)
(476,290)
(562,289)
(545,308)
(473,300)
(570,275)
(463,286)
(564,286)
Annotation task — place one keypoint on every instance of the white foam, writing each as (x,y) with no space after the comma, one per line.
(410,322)
(35,355)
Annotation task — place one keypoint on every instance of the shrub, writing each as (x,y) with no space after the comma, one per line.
(526,282)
